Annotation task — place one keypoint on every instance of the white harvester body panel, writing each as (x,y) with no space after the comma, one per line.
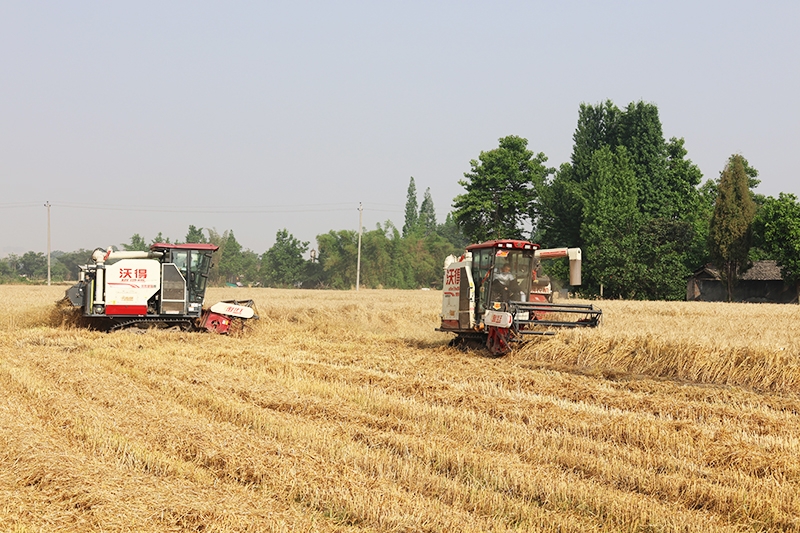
(458,293)
(132,282)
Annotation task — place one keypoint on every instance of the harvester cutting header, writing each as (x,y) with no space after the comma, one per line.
(162,287)
(494,293)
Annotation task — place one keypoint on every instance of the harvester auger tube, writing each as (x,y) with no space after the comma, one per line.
(496,291)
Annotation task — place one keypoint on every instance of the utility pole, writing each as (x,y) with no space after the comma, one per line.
(358,262)
(47,205)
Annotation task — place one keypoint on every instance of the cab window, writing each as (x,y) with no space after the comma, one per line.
(181,260)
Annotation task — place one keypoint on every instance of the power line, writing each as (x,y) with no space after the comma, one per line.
(16,205)
(303,208)
(247,209)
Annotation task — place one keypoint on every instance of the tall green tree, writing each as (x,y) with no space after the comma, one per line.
(564,198)
(661,259)
(251,267)
(428,256)
(502,191)
(71,260)
(137,244)
(611,224)
(776,229)
(214,237)
(451,232)
(283,264)
(562,204)
(11,266)
(159,239)
(689,207)
(671,242)
(231,265)
(598,126)
(682,179)
(427,214)
(730,230)
(377,258)
(33,265)
(196,235)
(8,272)
(412,215)
(641,134)
(338,256)
(668,205)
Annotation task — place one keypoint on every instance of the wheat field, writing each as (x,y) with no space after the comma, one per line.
(346,411)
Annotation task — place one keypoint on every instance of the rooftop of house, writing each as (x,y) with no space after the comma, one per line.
(767,270)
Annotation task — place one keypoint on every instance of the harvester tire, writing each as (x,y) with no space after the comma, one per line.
(498,341)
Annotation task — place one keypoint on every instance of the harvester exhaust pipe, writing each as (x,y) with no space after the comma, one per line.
(574,266)
(99,257)
(99,284)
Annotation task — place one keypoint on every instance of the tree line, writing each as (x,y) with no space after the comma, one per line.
(631,199)
(390,258)
(634,203)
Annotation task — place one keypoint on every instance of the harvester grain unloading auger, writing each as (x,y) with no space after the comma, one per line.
(162,288)
(493,295)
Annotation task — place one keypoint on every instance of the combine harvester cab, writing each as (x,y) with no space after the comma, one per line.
(492,294)
(164,287)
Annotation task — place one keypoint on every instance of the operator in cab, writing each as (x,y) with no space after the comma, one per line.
(506,286)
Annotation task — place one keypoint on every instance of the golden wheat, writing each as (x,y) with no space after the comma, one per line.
(345,411)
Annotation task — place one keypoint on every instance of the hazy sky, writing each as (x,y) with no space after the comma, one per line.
(140,117)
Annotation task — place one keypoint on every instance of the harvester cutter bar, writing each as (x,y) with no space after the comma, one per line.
(537,312)
(532,332)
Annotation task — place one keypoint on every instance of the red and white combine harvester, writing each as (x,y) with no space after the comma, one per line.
(494,294)
(163,288)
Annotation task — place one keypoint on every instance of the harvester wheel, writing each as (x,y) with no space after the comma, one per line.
(466,343)
(498,341)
